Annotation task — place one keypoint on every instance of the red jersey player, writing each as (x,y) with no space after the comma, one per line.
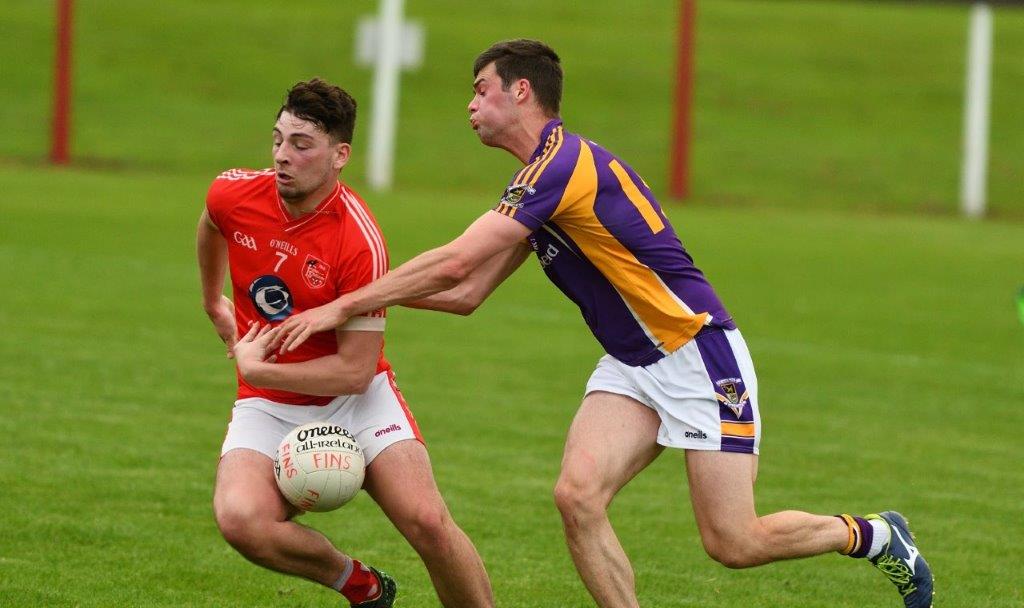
(295,238)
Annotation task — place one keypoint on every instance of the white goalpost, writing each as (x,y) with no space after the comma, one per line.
(977,97)
(388,44)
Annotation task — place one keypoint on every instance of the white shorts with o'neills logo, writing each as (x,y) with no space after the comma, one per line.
(378,418)
(705,392)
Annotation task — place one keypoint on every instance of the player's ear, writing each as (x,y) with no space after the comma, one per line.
(342,152)
(521,90)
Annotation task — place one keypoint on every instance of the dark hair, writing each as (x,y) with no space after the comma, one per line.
(529,59)
(327,106)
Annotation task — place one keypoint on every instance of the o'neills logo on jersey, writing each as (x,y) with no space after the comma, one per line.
(315,271)
(284,246)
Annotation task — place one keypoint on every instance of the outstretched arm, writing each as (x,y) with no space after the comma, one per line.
(465,297)
(429,273)
(348,372)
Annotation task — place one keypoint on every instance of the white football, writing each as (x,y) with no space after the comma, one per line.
(319,466)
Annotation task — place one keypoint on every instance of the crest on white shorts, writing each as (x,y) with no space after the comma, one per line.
(730,395)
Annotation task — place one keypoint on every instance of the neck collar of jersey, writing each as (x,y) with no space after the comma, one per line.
(323,207)
(548,128)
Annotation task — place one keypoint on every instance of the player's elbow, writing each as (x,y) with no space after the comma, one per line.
(467,304)
(362,383)
(464,310)
(453,271)
(356,382)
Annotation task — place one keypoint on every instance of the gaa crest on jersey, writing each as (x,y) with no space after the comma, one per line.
(514,194)
(729,395)
(271,297)
(315,271)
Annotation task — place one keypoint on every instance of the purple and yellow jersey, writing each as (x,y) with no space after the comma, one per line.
(603,240)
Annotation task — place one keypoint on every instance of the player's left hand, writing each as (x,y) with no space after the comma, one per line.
(297,328)
(253,347)
(222,315)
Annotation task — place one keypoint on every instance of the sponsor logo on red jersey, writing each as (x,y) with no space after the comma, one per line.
(271,297)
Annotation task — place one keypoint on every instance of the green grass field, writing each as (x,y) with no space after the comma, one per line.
(890,358)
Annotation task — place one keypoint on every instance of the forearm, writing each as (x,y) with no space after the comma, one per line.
(464,298)
(427,274)
(328,376)
(453,301)
(501,266)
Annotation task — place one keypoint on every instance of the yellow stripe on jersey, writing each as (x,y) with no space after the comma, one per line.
(524,173)
(656,308)
(519,179)
(506,209)
(529,170)
(636,197)
(738,429)
(553,146)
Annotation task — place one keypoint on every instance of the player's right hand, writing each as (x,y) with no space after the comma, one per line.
(222,315)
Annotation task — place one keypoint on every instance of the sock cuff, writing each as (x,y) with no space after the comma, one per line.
(861,535)
(345,574)
(854,532)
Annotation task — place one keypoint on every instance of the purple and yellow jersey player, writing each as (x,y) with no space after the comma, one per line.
(677,372)
(604,241)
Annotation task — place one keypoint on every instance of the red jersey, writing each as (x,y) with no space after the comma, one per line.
(282,265)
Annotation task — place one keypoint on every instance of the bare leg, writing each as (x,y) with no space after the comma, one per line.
(722,492)
(611,439)
(401,481)
(255,519)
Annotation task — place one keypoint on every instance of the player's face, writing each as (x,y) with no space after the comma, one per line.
(492,111)
(305,159)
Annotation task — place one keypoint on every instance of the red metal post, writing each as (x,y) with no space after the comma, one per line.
(62,85)
(679,172)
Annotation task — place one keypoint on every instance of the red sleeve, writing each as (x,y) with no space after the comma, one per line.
(218,201)
(367,254)
(226,189)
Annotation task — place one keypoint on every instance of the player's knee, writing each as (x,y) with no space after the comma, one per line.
(241,528)
(732,547)
(429,528)
(730,557)
(578,499)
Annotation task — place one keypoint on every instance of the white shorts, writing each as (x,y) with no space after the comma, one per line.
(378,418)
(705,392)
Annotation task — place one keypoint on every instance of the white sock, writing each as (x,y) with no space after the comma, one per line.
(345,574)
(880,538)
